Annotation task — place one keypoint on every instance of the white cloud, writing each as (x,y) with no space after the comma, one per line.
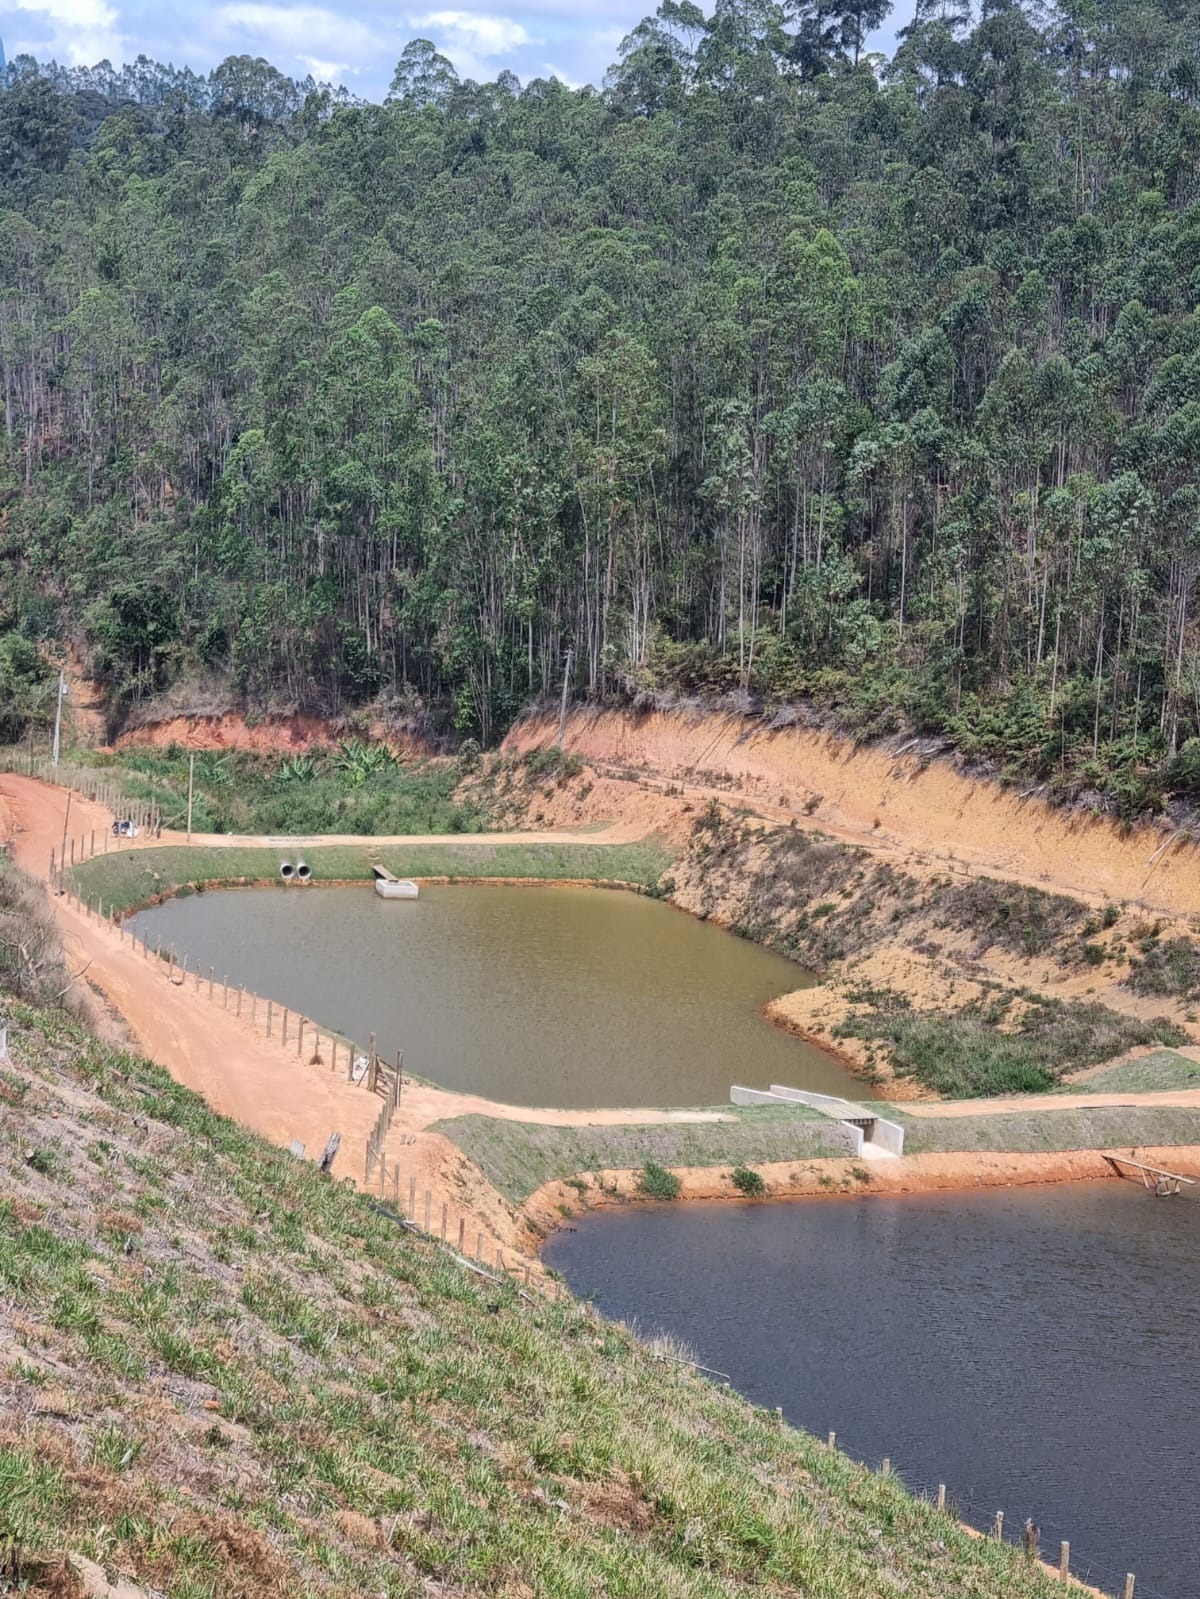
(327,71)
(310,34)
(79,32)
(477,32)
(473,40)
(549,70)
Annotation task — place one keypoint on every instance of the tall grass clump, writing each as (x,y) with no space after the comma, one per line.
(656,1182)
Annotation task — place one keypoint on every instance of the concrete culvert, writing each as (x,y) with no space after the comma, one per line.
(287,871)
(303,871)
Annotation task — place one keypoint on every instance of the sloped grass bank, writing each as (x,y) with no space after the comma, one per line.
(1050,1131)
(1009,1044)
(518,1157)
(1156,1073)
(223,1374)
(125,879)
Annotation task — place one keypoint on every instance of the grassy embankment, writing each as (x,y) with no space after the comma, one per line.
(223,1374)
(1008,1042)
(834,906)
(126,878)
(518,1157)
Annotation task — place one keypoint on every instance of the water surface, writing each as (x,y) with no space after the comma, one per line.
(1038,1350)
(535,996)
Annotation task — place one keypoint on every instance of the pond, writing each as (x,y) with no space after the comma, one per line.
(536,996)
(1035,1349)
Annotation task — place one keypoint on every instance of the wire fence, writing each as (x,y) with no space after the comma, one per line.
(1041,1540)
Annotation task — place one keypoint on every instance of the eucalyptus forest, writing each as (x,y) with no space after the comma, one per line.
(772,370)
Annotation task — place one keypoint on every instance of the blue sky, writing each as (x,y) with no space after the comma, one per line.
(350,41)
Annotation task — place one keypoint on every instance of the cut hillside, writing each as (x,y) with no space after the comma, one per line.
(221,1373)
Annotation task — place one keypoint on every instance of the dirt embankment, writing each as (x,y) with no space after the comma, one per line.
(286,735)
(890,799)
(837,1179)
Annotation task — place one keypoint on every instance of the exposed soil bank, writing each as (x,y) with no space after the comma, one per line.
(273,735)
(872,794)
(838,1179)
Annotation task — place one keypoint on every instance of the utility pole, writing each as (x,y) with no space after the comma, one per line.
(191,785)
(562,713)
(62,694)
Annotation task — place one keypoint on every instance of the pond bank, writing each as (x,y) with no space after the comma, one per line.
(254,1080)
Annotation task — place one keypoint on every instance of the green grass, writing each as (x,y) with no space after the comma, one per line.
(969,1054)
(1153,1073)
(324,791)
(1050,1131)
(226,1375)
(518,1157)
(127,878)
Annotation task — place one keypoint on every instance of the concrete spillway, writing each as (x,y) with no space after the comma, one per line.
(872,1135)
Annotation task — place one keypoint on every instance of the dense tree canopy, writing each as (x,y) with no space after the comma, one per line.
(773,366)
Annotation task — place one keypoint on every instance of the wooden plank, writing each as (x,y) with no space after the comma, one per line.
(1154,1171)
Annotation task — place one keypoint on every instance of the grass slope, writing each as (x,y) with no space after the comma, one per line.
(1045,1131)
(223,1374)
(518,1157)
(1162,1070)
(126,878)
(1009,1044)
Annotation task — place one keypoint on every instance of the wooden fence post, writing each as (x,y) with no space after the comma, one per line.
(412,1199)
(225,996)
(885,1469)
(831,1441)
(270,1005)
(428,1207)
(372,1064)
(998,1529)
(462,1229)
(241,991)
(1064,1561)
(445,1217)
(299,1035)
(1129,1585)
(285,1021)
(333,1053)
(210,983)
(941,1498)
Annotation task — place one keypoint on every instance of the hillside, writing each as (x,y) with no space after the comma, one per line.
(770,368)
(223,1374)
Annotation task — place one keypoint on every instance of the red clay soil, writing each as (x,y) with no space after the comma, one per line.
(894,801)
(282,735)
(835,1179)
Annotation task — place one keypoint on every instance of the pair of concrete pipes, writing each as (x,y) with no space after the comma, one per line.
(301,872)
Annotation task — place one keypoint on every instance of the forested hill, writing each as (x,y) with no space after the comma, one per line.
(770,365)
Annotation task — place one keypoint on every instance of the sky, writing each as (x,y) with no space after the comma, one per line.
(355,42)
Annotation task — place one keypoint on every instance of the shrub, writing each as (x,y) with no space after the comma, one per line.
(747,1181)
(1170,967)
(656,1182)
